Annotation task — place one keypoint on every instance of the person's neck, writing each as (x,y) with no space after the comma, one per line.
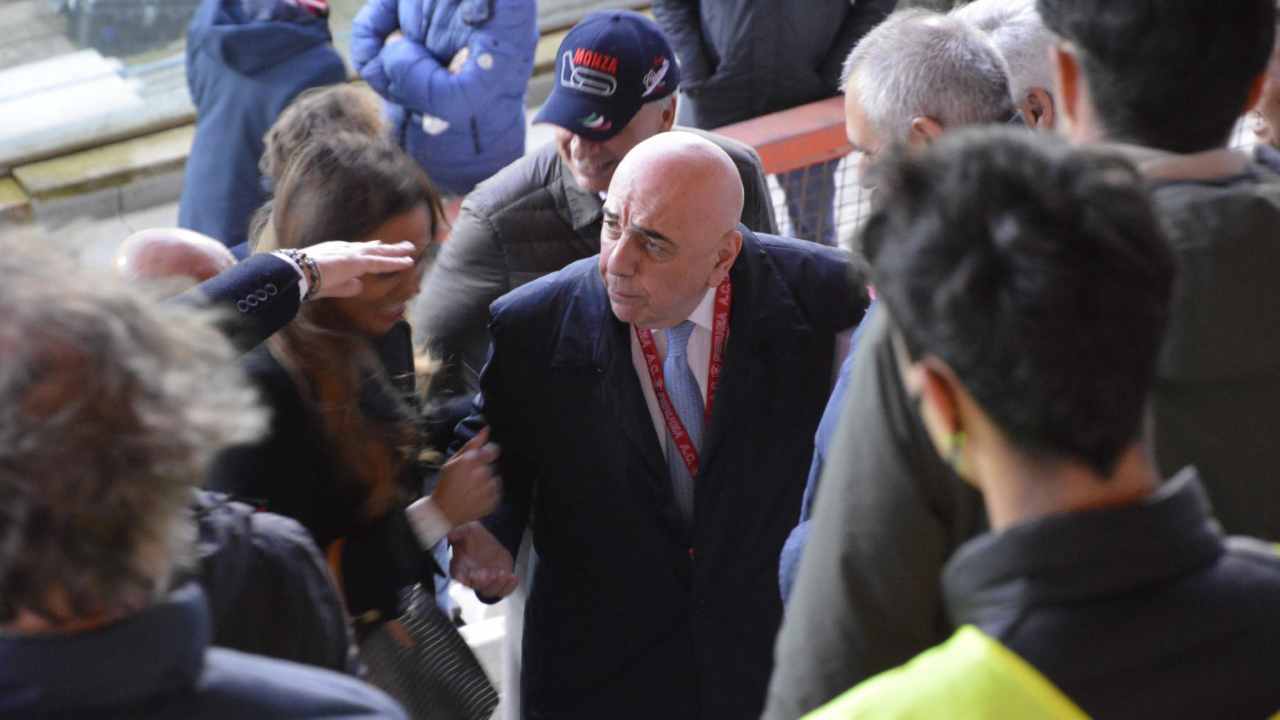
(1017,489)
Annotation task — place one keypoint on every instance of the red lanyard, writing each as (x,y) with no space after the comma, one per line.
(719,334)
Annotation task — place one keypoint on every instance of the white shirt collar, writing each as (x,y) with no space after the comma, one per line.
(704,315)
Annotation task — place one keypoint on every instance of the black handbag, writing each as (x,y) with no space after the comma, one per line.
(422,661)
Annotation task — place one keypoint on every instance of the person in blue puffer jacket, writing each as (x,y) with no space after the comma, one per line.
(454,75)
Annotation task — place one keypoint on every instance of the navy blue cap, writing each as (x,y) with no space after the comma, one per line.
(607,68)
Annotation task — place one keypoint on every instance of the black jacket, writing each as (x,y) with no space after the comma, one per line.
(632,614)
(157,664)
(529,220)
(294,472)
(1138,611)
(741,59)
(269,591)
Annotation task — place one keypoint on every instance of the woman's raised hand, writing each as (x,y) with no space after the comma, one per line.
(469,488)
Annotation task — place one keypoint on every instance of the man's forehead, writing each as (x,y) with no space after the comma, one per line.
(635,192)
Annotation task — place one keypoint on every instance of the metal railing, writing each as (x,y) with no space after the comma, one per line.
(812,170)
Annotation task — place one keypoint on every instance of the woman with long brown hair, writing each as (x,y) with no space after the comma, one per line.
(345,452)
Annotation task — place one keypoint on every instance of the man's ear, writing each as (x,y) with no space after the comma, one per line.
(1038,109)
(943,410)
(669,112)
(1066,69)
(938,395)
(1255,92)
(924,130)
(730,246)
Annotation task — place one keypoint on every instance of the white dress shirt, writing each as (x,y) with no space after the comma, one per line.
(699,354)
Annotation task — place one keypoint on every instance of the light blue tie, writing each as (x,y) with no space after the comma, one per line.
(682,389)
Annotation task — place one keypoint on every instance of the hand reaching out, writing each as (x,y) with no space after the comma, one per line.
(468,489)
(481,562)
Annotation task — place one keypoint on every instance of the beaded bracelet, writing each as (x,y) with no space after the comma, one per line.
(309,266)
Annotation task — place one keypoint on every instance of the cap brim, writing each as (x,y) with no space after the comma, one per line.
(584,115)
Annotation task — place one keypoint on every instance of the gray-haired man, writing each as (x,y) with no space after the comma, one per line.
(917,74)
(1016,29)
(886,102)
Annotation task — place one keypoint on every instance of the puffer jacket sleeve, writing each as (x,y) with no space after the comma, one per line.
(375,21)
(469,275)
(501,58)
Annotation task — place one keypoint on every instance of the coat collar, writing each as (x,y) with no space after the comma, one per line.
(159,651)
(765,315)
(1082,555)
(582,208)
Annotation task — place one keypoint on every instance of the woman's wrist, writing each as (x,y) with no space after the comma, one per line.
(430,524)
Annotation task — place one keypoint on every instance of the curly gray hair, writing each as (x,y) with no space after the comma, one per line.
(111,407)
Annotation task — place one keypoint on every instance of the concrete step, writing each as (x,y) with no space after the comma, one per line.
(113,151)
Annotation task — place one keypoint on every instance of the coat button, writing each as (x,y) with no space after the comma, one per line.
(241,306)
(262,295)
(271,289)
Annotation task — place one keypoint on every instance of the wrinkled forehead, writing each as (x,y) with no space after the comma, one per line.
(648,198)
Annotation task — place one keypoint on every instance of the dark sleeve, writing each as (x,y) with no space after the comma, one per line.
(306,615)
(257,297)
(865,15)
(888,514)
(682,25)
(502,403)
(453,315)
(757,206)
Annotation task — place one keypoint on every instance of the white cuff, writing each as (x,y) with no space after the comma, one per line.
(303,285)
(428,523)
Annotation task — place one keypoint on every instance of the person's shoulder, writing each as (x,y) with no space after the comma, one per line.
(793,249)
(252,686)
(1255,564)
(550,290)
(808,267)
(514,188)
(821,280)
(970,675)
(550,295)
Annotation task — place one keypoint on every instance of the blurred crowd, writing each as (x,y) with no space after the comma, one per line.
(1006,458)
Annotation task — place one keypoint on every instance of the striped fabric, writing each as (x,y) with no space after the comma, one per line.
(423,662)
(686,397)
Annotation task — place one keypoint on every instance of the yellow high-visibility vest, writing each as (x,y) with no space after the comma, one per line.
(971,675)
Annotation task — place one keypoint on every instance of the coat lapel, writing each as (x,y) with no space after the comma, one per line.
(593,343)
(763,320)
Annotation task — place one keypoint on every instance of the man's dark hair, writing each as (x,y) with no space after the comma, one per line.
(1039,274)
(1169,75)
